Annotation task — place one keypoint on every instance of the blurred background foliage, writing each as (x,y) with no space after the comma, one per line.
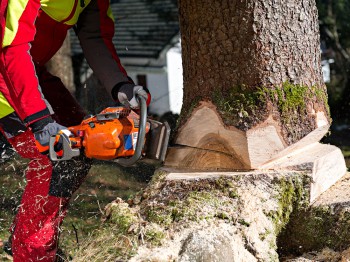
(335,44)
(334,23)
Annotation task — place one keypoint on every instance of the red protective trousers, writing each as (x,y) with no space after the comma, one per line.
(49,186)
(44,201)
(36,224)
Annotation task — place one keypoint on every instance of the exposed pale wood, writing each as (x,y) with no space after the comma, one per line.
(178,174)
(263,143)
(325,163)
(338,194)
(313,137)
(204,130)
(201,159)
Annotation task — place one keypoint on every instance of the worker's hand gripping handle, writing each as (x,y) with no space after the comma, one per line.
(140,137)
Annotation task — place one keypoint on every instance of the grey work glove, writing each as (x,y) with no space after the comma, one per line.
(126,94)
(43,130)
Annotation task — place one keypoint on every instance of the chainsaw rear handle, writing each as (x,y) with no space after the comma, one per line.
(140,136)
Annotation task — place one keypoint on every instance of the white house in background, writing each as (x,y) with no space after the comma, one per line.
(163,77)
(147,41)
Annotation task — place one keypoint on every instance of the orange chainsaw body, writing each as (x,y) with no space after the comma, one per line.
(109,135)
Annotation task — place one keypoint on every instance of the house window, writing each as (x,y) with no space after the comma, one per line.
(142,80)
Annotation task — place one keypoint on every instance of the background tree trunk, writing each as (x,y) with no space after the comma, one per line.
(61,65)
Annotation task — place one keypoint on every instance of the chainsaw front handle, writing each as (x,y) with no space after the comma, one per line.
(68,151)
(140,136)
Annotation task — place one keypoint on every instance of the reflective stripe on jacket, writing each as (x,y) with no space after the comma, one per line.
(15,10)
(5,107)
(65,11)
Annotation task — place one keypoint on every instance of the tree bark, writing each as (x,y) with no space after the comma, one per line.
(258,64)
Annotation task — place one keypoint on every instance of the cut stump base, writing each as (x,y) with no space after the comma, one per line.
(206,144)
(324,164)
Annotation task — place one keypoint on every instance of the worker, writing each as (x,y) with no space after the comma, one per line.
(35,105)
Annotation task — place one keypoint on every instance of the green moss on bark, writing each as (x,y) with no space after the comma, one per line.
(240,107)
(243,108)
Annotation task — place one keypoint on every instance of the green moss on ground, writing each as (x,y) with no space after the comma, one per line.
(292,197)
(317,227)
(205,200)
(12,183)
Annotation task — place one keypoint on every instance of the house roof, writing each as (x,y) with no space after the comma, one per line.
(143,28)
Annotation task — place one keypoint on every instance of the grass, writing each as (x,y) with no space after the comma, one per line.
(105,182)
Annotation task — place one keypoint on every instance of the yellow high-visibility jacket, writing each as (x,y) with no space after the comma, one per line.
(95,29)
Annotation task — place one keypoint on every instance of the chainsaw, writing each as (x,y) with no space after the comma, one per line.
(117,134)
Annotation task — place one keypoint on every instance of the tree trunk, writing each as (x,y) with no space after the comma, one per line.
(252,68)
